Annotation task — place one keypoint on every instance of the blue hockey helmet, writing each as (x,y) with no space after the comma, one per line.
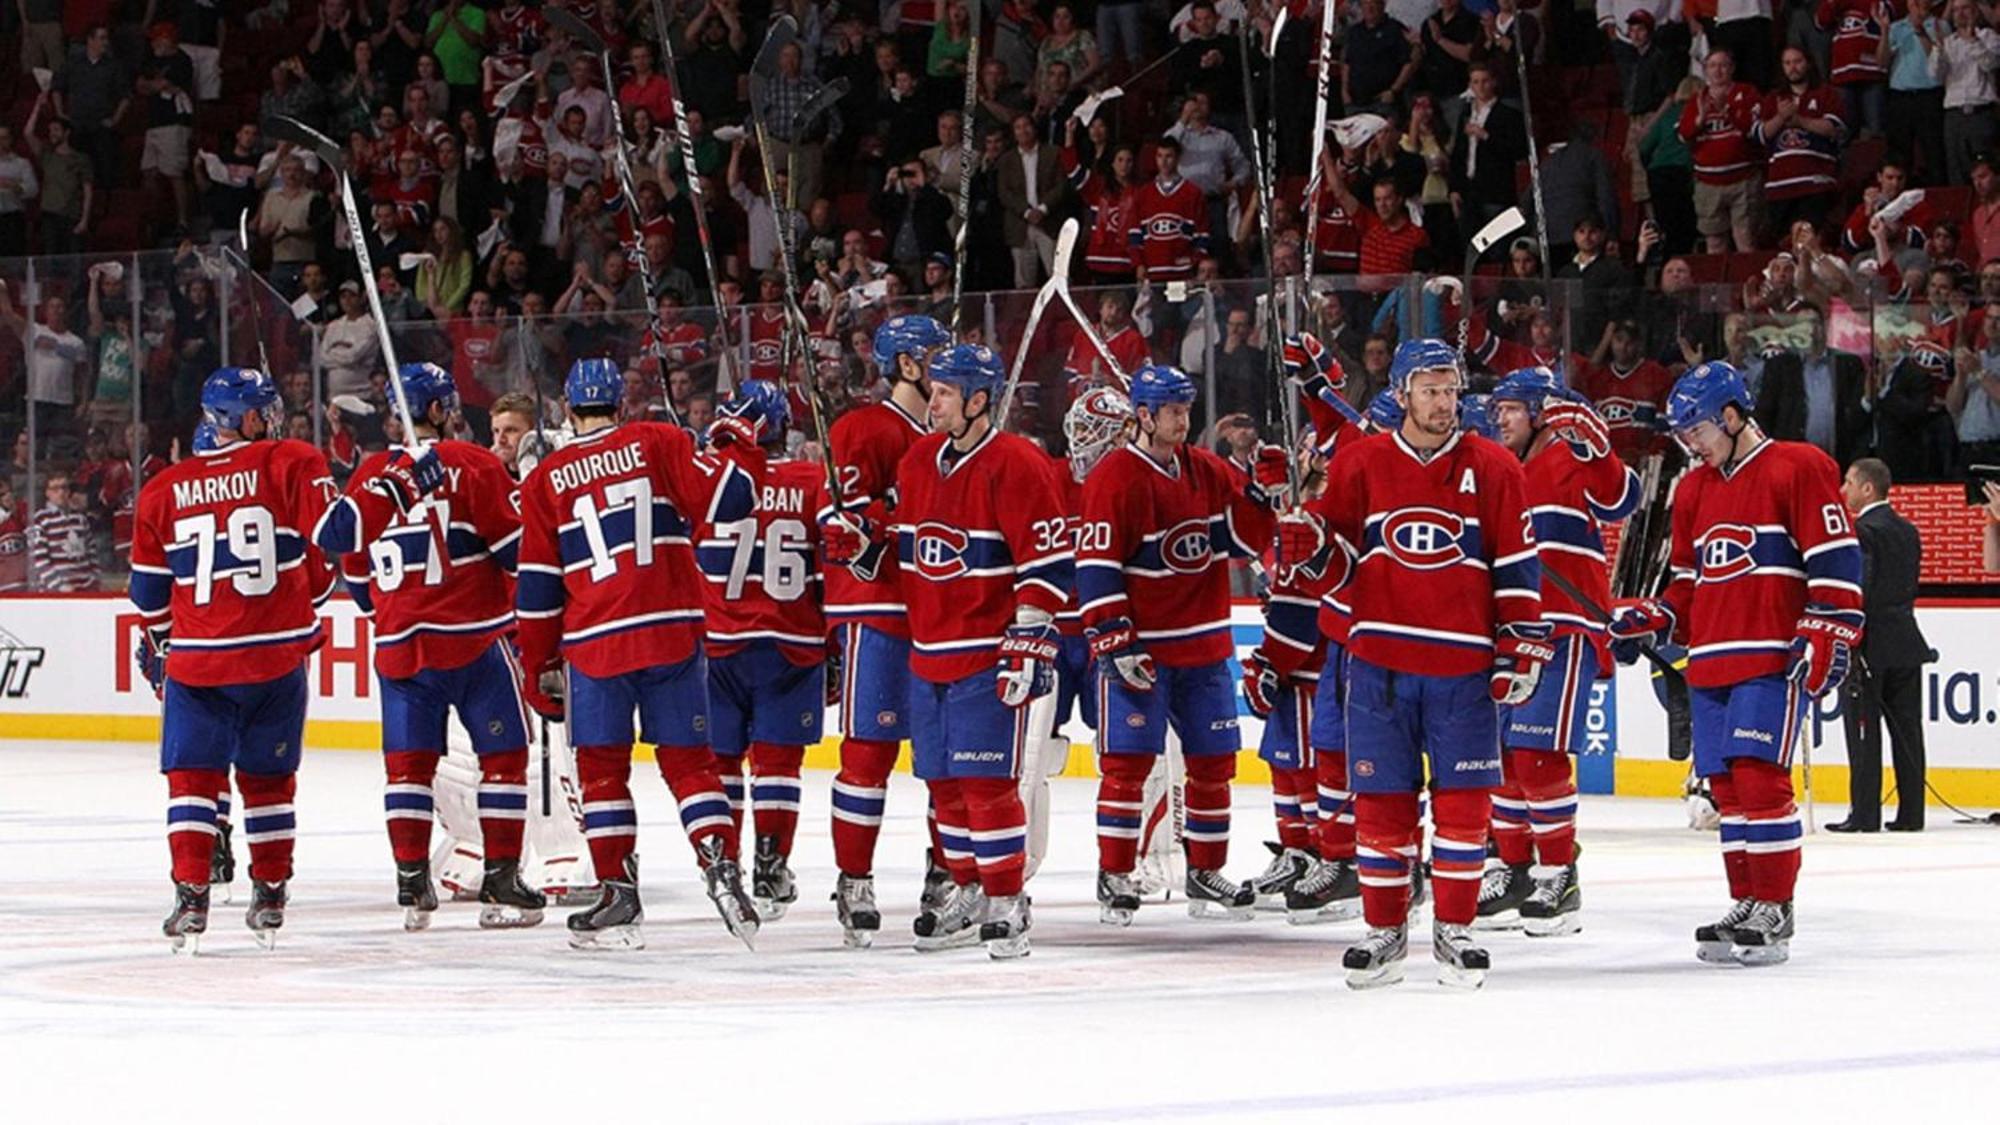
(969,368)
(205,437)
(1157,384)
(913,335)
(1384,412)
(232,394)
(1425,354)
(1700,395)
(1532,387)
(593,383)
(763,403)
(1475,416)
(424,384)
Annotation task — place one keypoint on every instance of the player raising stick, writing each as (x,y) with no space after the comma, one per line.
(1766,593)
(1575,486)
(442,622)
(227,584)
(766,643)
(1161,519)
(608,574)
(986,565)
(1446,622)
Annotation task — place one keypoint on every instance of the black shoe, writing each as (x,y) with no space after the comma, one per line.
(1905,826)
(1850,825)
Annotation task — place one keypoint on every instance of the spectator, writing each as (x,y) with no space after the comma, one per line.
(905,118)
(797,143)
(1428,140)
(1242,370)
(1169,231)
(337,32)
(1717,127)
(1378,60)
(765,215)
(56,361)
(1974,403)
(1965,61)
(41,34)
(1507,36)
(67,193)
(1212,160)
(18,185)
(1670,171)
(1119,38)
(1123,337)
(709,70)
(1678,332)
(916,216)
(1860,31)
(1655,67)
(1390,242)
(166,81)
(59,539)
(951,42)
(399,305)
(941,160)
(1905,229)
(1576,185)
(586,95)
(290,216)
(349,346)
(1743,29)
(13,540)
(1800,125)
(1001,99)
(1057,99)
(465,194)
(1630,389)
(1032,188)
(456,33)
(647,89)
(1210,62)
(444,279)
(1989,542)
(94,91)
(1915,108)
(110,344)
(1492,140)
(1448,38)
(1814,394)
(1913,423)
(1069,45)
(475,356)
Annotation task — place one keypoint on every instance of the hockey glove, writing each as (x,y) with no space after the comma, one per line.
(855,541)
(151,657)
(1302,545)
(732,429)
(1824,648)
(1261,684)
(544,693)
(1027,658)
(1312,367)
(1639,625)
(405,481)
(1270,477)
(1518,655)
(835,666)
(1583,428)
(1116,644)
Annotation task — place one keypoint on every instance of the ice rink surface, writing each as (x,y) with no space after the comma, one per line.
(1889,1009)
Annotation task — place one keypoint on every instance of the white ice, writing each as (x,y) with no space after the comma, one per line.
(1889,1008)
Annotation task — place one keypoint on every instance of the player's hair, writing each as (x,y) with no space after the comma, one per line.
(513,402)
(1875,471)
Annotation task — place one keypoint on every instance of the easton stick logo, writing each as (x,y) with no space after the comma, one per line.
(18,661)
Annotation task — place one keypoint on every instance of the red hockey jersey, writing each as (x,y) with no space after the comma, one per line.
(1719,133)
(1802,162)
(1337,245)
(763,569)
(431,611)
(977,536)
(1085,368)
(220,550)
(1443,552)
(1070,621)
(1155,546)
(868,445)
(1858,27)
(607,556)
(766,344)
(1570,500)
(1106,249)
(1169,229)
(1750,549)
(1633,404)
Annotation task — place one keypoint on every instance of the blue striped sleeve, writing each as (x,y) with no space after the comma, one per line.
(1616,508)
(1518,576)
(539,593)
(339,530)
(151,589)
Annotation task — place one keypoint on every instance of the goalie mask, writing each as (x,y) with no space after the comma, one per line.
(1095,424)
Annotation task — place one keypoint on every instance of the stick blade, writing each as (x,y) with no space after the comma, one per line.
(572,25)
(1065,249)
(294,131)
(783,30)
(1503,224)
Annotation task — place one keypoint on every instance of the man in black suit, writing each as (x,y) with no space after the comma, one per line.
(1887,680)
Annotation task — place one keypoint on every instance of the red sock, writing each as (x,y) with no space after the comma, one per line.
(999,827)
(408,806)
(954,831)
(191,817)
(1512,837)
(1546,779)
(1289,789)
(1771,828)
(729,768)
(268,823)
(775,791)
(1458,851)
(690,774)
(1385,831)
(860,792)
(1333,836)
(610,823)
(1121,794)
(1735,857)
(1208,777)
(503,802)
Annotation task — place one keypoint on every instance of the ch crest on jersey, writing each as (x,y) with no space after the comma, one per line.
(1425,538)
(1163,226)
(764,351)
(1726,552)
(1615,410)
(1187,546)
(939,550)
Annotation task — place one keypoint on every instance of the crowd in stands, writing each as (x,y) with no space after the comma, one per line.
(1808,188)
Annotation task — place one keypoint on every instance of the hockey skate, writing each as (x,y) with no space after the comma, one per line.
(724,878)
(189,919)
(267,911)
(1765,937)
(1330,892)
(505,902)
(1005,930)
(222,862)
(854,904)
(1502,890)
(613,921)
(1211,895)
(772,886)
(937,884)
(1117,898)
(1376,961)
(955,924)
(1555,908)
(1461,964)
(416,894)
(1288,867)
(1715,943)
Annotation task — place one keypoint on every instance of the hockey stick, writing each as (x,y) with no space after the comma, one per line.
(1496,229)
(1314,173)
(1534,159)
(1058,282)
(965,131)
(1280,398)
(1680,710)
(256,322)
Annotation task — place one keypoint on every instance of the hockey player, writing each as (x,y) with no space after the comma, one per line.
(1446,622)
(227,583)
(766,644)
(987,563)
(434,568)
(1576,485)
(608,573)
(1765,592)
(1161,519)
(865,610)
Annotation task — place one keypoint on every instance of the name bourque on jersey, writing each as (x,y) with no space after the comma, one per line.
(432,609)
(221,551)
(1570,501)
(1155,544)
(763,569)
(868,444)
(607,564)
(1443,554)
(977,538)
(1750,549)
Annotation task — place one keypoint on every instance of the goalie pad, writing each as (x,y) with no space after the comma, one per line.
(1162,854)
(459,859)
(557,860)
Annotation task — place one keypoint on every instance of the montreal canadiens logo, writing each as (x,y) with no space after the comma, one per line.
(1725,552)
(1186,547)
(1425,538)
(764,351)
(1615,409)
(1163,226)
(940,550)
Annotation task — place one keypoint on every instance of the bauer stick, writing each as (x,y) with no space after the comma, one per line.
(1315,173)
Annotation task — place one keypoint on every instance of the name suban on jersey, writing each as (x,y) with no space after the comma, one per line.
(777,499)
(215,490)
(593,466)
